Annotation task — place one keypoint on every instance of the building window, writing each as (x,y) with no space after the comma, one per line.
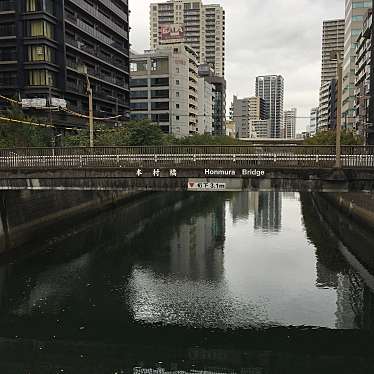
(8,79)
(160,64)
(41,28)
(34,5)
(177,118)
(139,106)
(160,106)
(160,94)
(50,7)
(138,66)
(41,53)
(177,94)
(8,29)
(177,82)
(41,78)
(8,54)
(177,70)
(160,81)
(177,106)
(138,82)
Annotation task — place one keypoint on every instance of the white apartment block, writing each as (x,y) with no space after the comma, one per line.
(314,121)
(204,27)
(244,111)
(262,128)
(290,123)
(164,88)
(205,106)
(355,12)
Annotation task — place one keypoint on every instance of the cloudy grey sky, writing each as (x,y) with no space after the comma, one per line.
(265,37)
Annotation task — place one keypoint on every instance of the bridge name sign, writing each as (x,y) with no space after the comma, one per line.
(233,173)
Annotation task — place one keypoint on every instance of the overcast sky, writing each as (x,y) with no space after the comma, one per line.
(265,37)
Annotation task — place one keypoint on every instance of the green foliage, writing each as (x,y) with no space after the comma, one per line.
(329,138)
(132,134)
(22,135)
(207,140)
(144,133)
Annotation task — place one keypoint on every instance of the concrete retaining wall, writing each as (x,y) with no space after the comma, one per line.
(27,215)
(353,205)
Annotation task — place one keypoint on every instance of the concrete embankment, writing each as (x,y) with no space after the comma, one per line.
(341,216)
(357,206)
(29,215)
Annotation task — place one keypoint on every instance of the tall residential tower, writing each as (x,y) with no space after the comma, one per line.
(355,11)
(270,88)
(204,28)
(332,42)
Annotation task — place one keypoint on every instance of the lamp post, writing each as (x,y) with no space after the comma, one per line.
(83,70)
(335,56)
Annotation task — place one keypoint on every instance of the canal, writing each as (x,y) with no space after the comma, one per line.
(191,282)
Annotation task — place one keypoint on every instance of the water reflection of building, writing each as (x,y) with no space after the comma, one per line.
(197,246)
(326,278)
(355,303)
(290,195)
(240,205)
(268,213)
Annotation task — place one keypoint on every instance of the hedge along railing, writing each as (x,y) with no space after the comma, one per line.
(274,156)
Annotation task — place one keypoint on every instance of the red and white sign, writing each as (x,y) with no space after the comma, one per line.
(206,186)
(173,33)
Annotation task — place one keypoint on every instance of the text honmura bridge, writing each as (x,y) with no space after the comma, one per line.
(195,168)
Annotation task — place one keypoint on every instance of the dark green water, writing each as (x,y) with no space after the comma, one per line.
(171,279)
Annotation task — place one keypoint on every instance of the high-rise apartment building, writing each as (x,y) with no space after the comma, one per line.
(45,42)
(164,89)
(204,28)
(332,41)
(355,11)
(327,106)
(363,76)
(290,123)
(314,121)
(270,88)
(246,110)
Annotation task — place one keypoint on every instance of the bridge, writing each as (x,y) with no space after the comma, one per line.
(192,168)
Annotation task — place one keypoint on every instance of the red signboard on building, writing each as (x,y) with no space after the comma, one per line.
(172,33)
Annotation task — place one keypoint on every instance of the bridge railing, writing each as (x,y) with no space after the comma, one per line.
(266,156)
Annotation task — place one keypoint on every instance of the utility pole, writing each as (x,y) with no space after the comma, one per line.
(90,111)
(50,111)
(335,55)
(83,70)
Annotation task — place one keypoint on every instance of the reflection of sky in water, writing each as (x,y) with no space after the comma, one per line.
(241,262)
(269,277)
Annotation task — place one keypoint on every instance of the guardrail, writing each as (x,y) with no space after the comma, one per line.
(274,156)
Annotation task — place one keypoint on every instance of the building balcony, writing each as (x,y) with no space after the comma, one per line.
(8,6)
(81,26)
(91,52)
(118,82)
(100,17)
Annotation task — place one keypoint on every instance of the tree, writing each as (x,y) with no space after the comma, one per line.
(14,134)
(329,138)
(144,133)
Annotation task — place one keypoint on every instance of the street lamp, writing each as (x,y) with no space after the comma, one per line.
(83,70)
(335,56)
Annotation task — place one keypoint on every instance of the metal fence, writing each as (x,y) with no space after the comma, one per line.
(274,156)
